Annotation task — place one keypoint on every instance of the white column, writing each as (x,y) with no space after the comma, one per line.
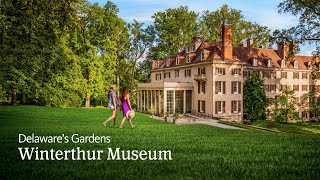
(174,101)
(151,98)
(155,101)
(159,104)
(138,100)
(147,100)
(164,100)
(184,101)
(144,100)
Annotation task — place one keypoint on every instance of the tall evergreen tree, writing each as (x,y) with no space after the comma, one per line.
(254,98)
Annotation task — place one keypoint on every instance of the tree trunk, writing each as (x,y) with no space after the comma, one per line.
(87,102)
(132,75)
(118,74)
(23,98)
(13,97)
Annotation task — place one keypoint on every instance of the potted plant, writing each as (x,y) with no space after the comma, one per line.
(152,110)
(176,116)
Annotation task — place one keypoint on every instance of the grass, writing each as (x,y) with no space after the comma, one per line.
(299,127)
(198,151)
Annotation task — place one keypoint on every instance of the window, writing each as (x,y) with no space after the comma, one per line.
(202,70)
(235,89)
(177,60)
(158,76)
(254,63)
(284,75)
(220,71)
(220,87)
(168,62)
(169,101)
(296,87)
(283,63)
(236,72)
(201,106)
(190,48)
(187,58)
(270,88)
(246,74)
(176,72)
(166,75)
(267,74)
(203,56)
(157,64)
(295,75)
(220,107)
(304,75)
(203,87)
(304,87)
(295,64)
(269,63)
(235,106)
(187,73)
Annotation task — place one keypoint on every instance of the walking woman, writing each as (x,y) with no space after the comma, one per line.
(112,104)
(125,106)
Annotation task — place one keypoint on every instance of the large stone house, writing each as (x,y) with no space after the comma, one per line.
(206,78)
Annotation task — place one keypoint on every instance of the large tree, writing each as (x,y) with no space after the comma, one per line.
(211,21)
(30,32)
(285,106)
(254,98)
(308,28)
(141,40)
(174,28)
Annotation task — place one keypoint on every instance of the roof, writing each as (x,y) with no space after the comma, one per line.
(213,52)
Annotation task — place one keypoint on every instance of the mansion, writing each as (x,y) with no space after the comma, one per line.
(206,78)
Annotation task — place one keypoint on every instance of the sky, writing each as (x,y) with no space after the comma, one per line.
(263,12)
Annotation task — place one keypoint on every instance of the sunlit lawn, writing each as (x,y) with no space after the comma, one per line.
(198,151)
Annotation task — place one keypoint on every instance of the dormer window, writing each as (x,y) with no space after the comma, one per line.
(283,63)
(187,58)
(190,48)
(269,63)
(177,60)
(168,63)
(254,63)
(157,64)
(295,64)
(203,58)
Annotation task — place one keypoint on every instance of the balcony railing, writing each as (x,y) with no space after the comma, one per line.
(200,77)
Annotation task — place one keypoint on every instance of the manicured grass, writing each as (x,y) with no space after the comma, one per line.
(300,127)
(198,151)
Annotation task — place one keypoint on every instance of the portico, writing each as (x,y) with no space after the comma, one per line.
(167,97)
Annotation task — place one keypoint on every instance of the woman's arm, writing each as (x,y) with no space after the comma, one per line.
(114,102)
(128,99)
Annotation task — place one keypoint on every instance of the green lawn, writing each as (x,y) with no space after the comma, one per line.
(299,127)
(198,151)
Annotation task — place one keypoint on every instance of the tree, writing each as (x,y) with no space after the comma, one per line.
(29,32)
(174,28)
(211,22)
(285,106)
(311,102)
(308,28)
(254,98)
(140,40)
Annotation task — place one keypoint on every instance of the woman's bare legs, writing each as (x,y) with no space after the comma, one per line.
(113,116)
(132,126)
(122,121)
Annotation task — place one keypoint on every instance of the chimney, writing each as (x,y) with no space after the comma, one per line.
(249,44)
(227,41)
(293,48)
(283,49)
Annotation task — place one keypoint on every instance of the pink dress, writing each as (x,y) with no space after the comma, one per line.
(124,106)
